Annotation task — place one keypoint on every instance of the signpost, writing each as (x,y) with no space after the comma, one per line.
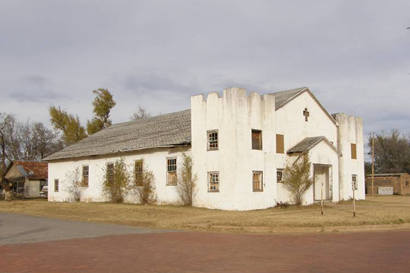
(354,188)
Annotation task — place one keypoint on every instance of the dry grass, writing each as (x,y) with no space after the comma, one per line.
(375,213)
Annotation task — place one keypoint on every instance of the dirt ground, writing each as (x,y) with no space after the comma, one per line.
(374,213)
(196,252)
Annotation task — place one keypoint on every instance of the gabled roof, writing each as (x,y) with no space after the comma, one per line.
(309,143)
(167,130)
(284,97)
(30,169)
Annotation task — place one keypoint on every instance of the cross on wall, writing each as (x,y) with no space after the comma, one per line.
(306,114)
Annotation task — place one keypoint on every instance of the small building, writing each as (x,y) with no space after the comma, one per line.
(389,183)
(239,143)
(27,178)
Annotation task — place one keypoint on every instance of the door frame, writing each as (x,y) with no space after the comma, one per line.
(329,168)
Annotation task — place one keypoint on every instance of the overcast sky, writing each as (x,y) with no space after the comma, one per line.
(353,55)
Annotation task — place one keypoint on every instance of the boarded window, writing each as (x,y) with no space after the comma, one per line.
(138,172)
(256,139)
(257,181)
(279,175)
(171,171)
(56,185)
(354,151)
(213,181)
(110,173)
(280,144)
(85,176)
(212,140)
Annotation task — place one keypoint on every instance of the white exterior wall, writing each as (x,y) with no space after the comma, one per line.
(234,115)
(350,131)
(155,161)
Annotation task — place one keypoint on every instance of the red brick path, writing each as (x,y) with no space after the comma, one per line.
(206,252)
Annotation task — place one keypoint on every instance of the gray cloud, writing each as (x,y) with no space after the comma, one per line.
(352,54)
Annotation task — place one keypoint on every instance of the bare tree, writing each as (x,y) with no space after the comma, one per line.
(7,124)
(141,113)
(392,152)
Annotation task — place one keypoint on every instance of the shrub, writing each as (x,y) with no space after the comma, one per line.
(74,180)
(296,178)
(117,181)
(187,182)
(146,191)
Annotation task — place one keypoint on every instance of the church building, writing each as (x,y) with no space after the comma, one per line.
(239,143)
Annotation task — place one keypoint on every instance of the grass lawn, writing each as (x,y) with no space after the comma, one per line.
(375,213)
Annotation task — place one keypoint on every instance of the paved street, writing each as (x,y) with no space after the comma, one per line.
(16,229)
(136,250)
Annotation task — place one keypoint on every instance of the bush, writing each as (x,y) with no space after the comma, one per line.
(74,179)
(117,181)
(296,178)
(146,191)
(187,182)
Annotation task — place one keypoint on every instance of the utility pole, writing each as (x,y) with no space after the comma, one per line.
(372,164)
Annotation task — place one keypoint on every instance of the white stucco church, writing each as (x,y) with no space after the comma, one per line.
(239,143)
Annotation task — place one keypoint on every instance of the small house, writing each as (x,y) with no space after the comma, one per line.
(27,178)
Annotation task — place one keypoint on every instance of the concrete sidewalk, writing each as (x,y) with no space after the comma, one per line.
(18,229)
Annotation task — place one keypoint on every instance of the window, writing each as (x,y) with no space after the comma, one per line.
(56,185)
(85,176)
(280,144)
(213,182)
(354,151)
(256,139)
(171,171)
(110,173)
(257,181)
(212,140)
(354,182)
(279,175)
(138,172)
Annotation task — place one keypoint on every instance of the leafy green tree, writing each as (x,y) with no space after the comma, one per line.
(296,178)
(68,124)
(103,103)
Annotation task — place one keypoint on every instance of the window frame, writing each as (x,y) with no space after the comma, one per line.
(108,164)
(260,143)
(210,184)
(208,133)
(172,183)
(258,189)
(83,183)
(139,173)
(280,139)
(56,185)
(353,150)
(279,170)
